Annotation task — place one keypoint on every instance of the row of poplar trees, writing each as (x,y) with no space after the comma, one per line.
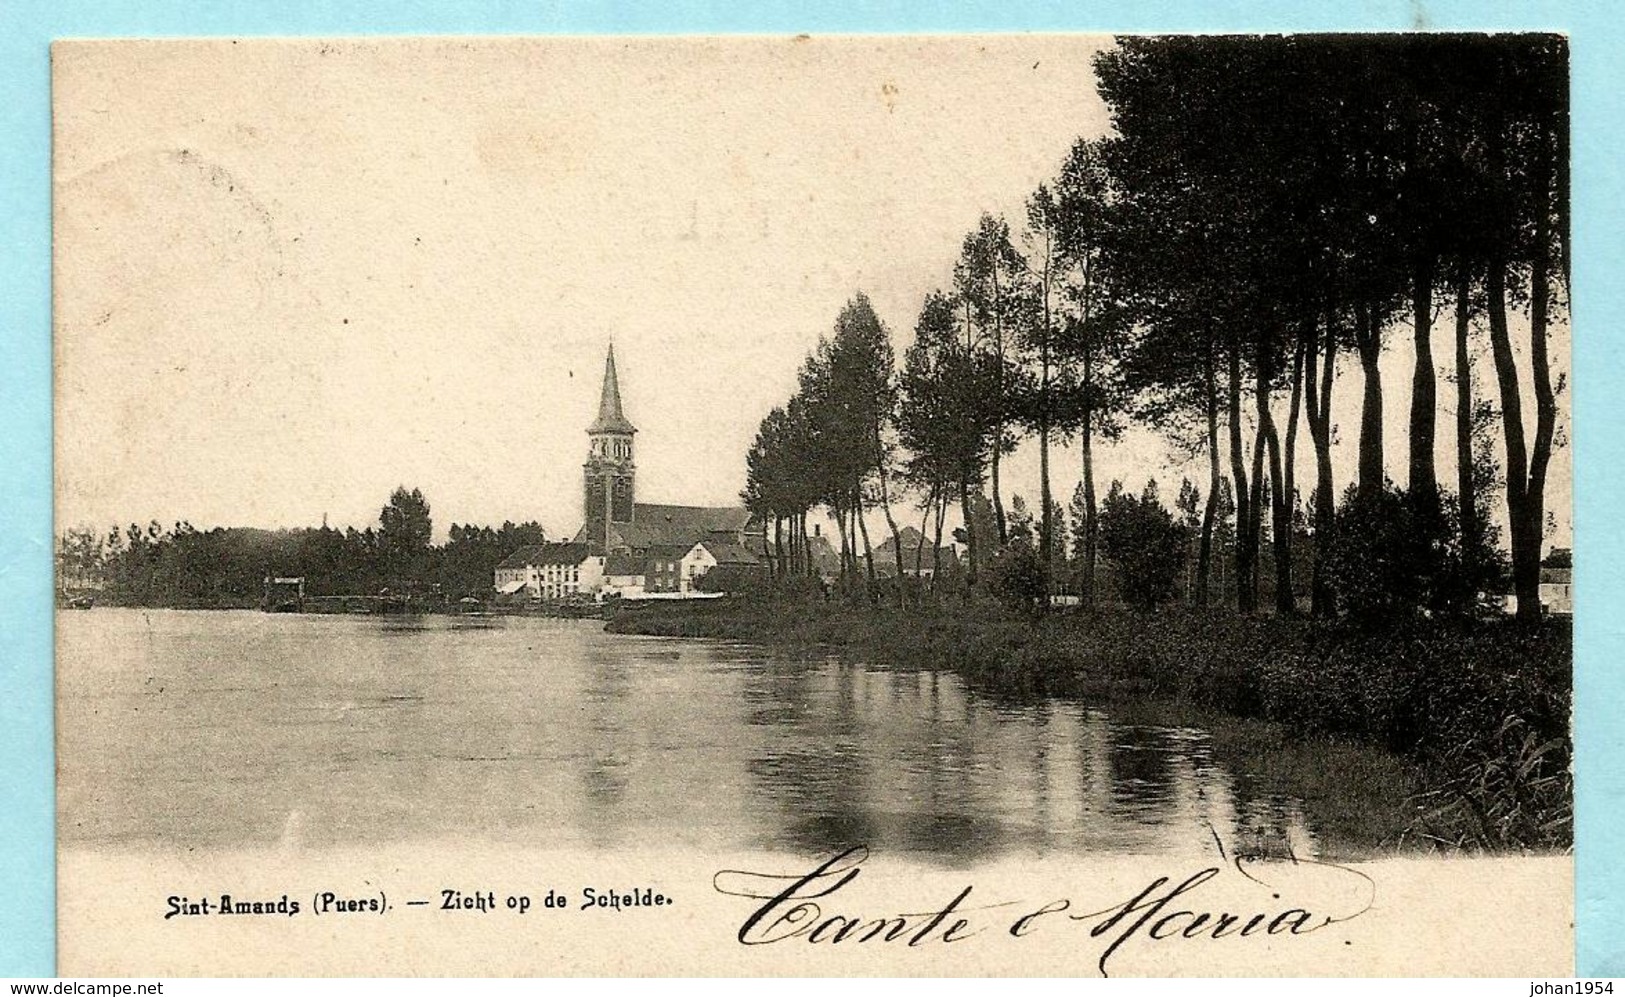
(1264,218)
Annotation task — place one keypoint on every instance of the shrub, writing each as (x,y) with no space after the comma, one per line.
(1145,545)
(1016,576)
(1396,555)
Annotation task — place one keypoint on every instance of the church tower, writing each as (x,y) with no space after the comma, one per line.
(609,470)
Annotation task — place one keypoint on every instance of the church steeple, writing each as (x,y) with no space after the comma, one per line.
(610,417)
(609,472)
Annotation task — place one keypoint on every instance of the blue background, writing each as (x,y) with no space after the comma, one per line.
(27,855)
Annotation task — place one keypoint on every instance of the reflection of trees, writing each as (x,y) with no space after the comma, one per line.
(1263,823)
(854,756)
(1143,787)
(814,769)
(939,764)
(1142,777)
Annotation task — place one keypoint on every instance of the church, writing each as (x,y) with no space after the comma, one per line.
(629,548)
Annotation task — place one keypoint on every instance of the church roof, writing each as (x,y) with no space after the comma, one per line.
(675,526)
(610,417)
(693,518)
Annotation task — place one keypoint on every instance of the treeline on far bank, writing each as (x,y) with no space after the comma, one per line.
(226,567)
(1479,709)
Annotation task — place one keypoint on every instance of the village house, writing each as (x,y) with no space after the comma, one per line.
(664,566)
(1557,591)
(625,575)
(916,558)
(551,571)
(724,565)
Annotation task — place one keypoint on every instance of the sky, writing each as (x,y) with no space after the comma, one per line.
(292,275)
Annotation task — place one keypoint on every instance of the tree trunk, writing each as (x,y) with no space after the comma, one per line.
(1287,501)
(998,502)
(1091,524)
(1046,543)
(1277,493)
(885,507)
(1256,527)
(1370,348)
(1526,562)
(776,564)
(1246,601)
(1525,574)
(1540,364)
(936,543)
(1204,557)
(970,536)
(1466,488)
(919,549)
(1318,395)
(1424,479)
(846,548)
(863,529)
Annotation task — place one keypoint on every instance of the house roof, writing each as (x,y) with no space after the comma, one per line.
(911,537)
(671,552)
(729,553)
(549,553)
(1557,576)
(624,564)
(610,417)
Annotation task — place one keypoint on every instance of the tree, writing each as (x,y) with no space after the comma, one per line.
(404,531)
(1089,330)
(1526,194)
(948,404)
(1144,543)
(988,280)
(865,367)
(80,558)
(1015,575)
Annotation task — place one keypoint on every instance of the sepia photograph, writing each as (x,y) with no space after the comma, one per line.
(1072,505)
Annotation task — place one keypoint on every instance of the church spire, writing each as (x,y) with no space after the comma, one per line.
(610,417)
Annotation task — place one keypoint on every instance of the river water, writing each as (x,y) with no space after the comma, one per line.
(231,730)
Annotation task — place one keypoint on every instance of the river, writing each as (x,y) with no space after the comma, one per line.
(240,730)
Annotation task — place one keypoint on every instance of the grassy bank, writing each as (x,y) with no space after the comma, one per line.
(1468,722)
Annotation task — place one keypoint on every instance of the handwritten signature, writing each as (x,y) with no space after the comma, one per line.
(800,906)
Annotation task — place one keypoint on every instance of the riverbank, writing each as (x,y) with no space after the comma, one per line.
(1473,716)
(362,605)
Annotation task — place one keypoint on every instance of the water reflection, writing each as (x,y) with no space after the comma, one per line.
(233,729)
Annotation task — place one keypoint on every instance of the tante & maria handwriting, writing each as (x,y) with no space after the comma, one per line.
(800,907)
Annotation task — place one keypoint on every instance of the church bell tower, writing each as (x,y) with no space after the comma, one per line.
(609,469)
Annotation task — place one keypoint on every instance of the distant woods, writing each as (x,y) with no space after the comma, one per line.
(184,566)
(1262,209)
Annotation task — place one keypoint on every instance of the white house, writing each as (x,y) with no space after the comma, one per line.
(1557,590)
(551,571)
(695,564)
(625,575)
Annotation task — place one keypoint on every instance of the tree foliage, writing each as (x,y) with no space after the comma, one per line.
(1144,543)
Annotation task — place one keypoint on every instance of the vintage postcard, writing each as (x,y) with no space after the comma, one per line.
(1010,505)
